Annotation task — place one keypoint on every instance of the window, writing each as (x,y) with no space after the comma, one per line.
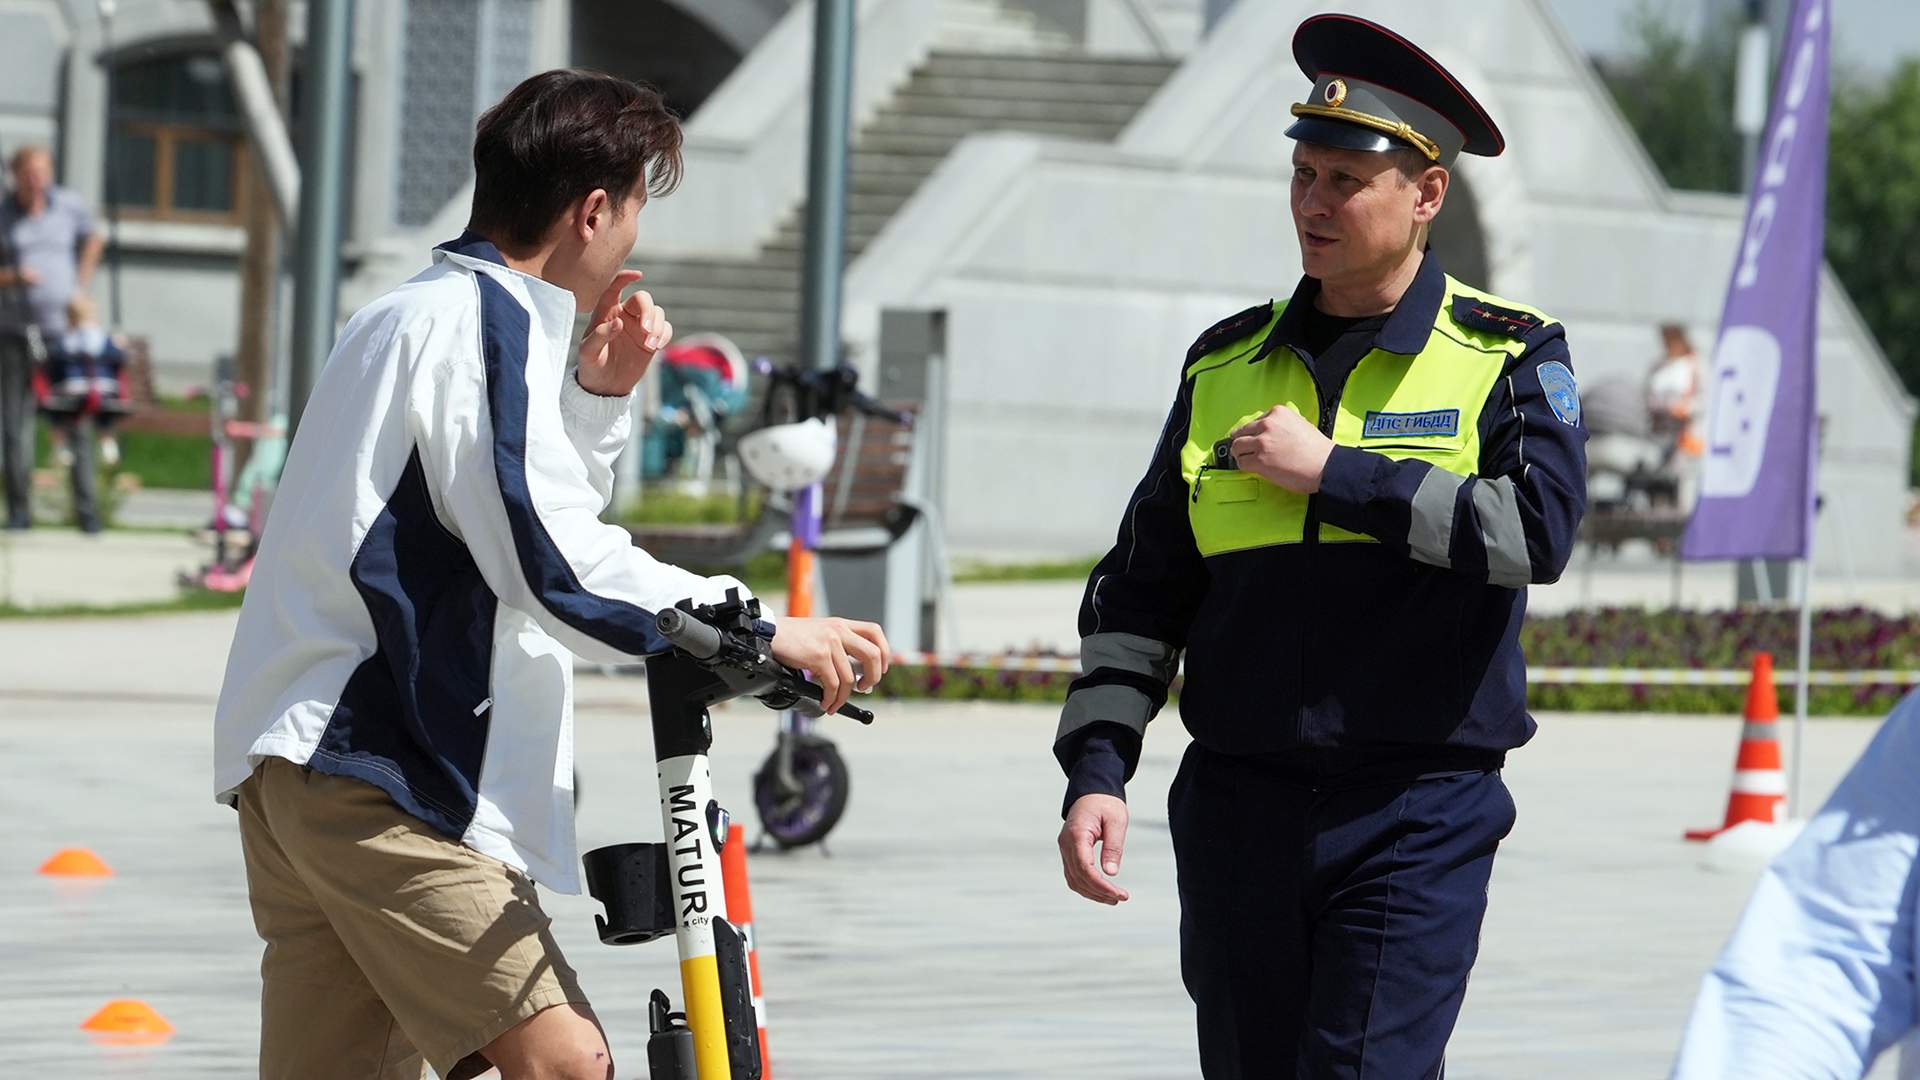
(177,150)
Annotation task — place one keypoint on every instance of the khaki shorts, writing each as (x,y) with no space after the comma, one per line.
(386,942)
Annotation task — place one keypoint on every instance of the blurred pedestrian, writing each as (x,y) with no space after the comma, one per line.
(49,249)
(1673,402)
(48,252)
(1673,384)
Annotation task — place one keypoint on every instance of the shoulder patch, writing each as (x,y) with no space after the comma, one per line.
(1563,397)
(1477,314)
(1230,329)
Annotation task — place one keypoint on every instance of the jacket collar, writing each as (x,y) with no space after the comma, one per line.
(554,305)
(1407,327)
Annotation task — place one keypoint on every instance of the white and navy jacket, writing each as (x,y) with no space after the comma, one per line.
(435,558)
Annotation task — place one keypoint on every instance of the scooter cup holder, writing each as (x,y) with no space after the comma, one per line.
(634,883)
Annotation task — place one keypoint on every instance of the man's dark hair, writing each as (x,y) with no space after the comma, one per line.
(1412,163)
(558,136)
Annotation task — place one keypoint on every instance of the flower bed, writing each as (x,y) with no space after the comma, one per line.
(1847,639)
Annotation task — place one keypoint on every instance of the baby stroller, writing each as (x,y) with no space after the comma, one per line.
(702,383)
(80,388)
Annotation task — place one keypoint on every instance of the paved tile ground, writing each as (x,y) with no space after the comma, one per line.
(936,941)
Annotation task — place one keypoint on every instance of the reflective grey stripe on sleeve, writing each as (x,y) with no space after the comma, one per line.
(1112,703)
(1430,533)
(1129,652)
(1498,506)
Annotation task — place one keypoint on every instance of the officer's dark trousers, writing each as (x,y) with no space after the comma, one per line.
(1328,933)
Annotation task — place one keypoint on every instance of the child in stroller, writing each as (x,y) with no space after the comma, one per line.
(82,392)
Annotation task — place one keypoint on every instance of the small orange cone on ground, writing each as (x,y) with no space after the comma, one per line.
(1759,784)
(76,862)
(127,1017)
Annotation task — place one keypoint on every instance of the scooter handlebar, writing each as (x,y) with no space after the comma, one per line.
(831,391)
(875,409)
(745,666)
(689,635)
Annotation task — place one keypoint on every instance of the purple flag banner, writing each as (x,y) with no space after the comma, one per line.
(1756,479)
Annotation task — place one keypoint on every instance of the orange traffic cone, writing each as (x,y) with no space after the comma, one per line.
(1759,786)
(733,871)
(76,862)
(128,1020)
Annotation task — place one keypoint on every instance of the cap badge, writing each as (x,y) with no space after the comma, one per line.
(1336,92)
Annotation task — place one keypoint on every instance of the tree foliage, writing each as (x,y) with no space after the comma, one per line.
(1873,209)
(1677,92)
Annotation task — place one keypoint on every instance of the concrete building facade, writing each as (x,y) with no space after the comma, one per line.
(1075,268)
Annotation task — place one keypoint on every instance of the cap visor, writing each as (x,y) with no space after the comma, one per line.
(1314,129)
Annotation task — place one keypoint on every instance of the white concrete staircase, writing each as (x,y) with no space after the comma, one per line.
(756,302)
(991,26)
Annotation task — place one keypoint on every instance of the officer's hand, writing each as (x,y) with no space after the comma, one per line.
(1283,448)
(1092,818)
(828,649)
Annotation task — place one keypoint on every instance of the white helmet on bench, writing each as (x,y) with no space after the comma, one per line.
(788,457)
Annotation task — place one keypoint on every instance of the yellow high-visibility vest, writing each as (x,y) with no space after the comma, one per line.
(1426,406)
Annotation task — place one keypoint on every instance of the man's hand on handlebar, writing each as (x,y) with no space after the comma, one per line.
(829,649)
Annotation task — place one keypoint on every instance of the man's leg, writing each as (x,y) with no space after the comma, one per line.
(454,942)
(319,1017)
(86,509)
(16,427)
(1402,883)
(1245,956)
(564,1033)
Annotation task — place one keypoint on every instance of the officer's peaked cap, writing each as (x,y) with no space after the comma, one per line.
(1375,90)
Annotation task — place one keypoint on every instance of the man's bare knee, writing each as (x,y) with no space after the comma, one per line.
(575,1063)
(561,1043)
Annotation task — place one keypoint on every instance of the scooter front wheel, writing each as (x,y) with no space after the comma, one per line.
(805,811)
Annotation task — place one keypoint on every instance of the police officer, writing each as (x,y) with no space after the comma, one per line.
(1349,498)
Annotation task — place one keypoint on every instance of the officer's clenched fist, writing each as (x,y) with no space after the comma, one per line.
(1283,448)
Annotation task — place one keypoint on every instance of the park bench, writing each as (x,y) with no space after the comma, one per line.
(864,508)
(147,415)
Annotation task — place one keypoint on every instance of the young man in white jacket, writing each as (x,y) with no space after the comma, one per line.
(395,726)
(1819,978)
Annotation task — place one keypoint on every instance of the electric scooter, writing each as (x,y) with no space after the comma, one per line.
(801,789)
(651,890)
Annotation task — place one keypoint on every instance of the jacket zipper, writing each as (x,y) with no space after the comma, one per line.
(1311,528)
(1200,476)
(1310,533)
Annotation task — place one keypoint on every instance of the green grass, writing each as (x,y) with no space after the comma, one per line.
(1064,570)
(666,506)
(177,462)
(168,461)
(196,600)
(764,573)
(767,572)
